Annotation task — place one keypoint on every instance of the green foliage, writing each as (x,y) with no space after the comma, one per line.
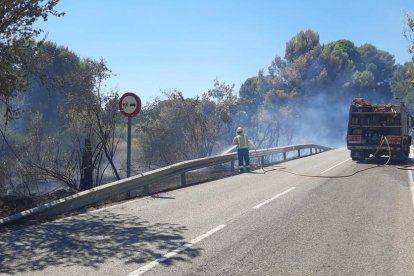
(14,61)
(312,75)
(363,79)
(17,18)
(57,77)
(402,86)
(408,33)
(337,69)
(301,44)
(16,30)
(409,30)
(180,128)
(338,60)
(65,104)
(163,129)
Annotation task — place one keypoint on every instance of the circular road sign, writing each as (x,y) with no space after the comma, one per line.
(130,104)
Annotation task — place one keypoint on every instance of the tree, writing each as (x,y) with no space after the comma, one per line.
(338,59)
(16,28)
(409,35)
(164,127)
(65,106)
(217,108)
(179,128)
(409,31)
(302,43)
(17,18)
(373,74)
(43,151)
(96,109)
(56,75)
(47,157)
(289,102)
(401,85)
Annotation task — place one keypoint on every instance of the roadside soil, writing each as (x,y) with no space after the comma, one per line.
(14,204)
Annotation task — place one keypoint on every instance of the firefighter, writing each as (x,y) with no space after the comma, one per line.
(242,142)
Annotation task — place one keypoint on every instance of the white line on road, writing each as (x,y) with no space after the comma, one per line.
(209,233)
(410,176)
(273,198)
(335,166)
(171,254)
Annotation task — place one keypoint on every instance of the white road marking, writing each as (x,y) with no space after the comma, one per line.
(171,254)
(335,166)
(209,233)
(410,176)
(273,198)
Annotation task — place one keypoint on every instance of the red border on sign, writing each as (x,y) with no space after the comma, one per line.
(137,109)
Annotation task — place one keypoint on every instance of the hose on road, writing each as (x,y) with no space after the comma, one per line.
(383,139)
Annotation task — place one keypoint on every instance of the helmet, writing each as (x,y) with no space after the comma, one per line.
(239,130)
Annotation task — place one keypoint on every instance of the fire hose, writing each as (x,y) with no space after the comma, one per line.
(257,156)
(383,139)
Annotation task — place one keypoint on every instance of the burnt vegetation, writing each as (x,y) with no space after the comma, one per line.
(60,127)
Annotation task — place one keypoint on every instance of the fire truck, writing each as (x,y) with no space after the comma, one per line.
(378,129)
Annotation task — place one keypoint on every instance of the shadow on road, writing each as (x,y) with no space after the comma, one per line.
(90,242)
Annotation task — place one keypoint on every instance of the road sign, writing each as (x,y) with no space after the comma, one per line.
(130,104)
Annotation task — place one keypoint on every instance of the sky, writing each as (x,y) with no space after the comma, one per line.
(158,45)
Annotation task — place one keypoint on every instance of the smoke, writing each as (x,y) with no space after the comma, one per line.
(322,120)
(318,116)
(318,108)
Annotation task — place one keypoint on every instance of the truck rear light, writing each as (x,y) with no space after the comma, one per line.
(356,139)
(394,140)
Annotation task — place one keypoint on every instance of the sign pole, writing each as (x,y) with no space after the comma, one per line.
(129,148)
(130,106)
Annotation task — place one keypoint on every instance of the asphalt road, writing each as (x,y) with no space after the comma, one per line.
(319,215)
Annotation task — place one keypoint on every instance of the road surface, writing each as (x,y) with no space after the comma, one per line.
(319,215)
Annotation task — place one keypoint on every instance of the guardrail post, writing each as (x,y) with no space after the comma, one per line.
(232,165)
(262,161)
(298,152)
(183,179)
(311,150)
(284,155)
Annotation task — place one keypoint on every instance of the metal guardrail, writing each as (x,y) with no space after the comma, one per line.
(128,185)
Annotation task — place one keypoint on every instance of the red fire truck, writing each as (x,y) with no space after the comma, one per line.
(378,129)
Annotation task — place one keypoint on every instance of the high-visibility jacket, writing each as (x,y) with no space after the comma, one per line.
(242,141)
